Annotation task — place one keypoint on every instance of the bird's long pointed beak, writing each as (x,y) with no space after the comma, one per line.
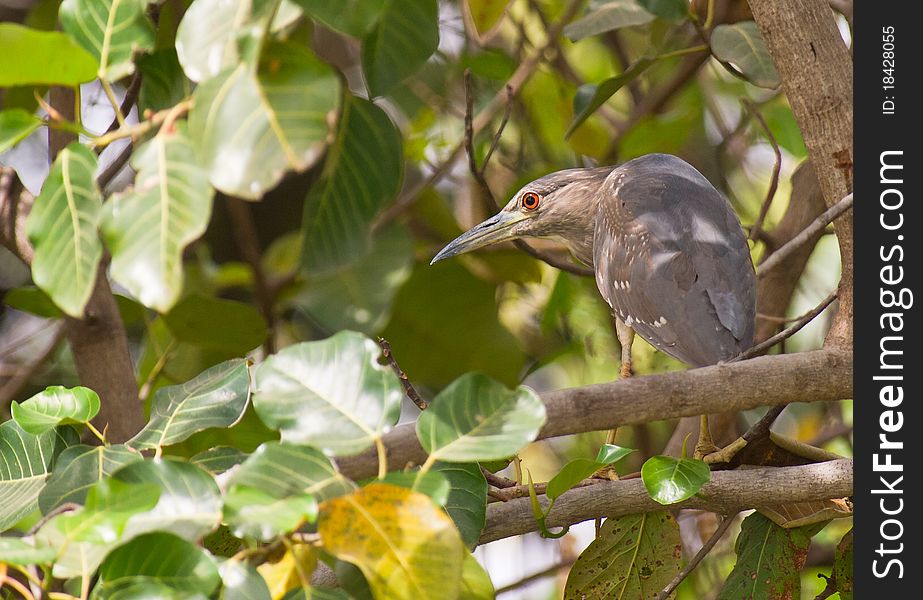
(498,228)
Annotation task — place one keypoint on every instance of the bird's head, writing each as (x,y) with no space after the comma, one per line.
(559,206)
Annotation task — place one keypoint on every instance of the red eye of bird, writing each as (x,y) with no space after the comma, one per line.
(530,200)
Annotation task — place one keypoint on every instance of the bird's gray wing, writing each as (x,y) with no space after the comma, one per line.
(672,261)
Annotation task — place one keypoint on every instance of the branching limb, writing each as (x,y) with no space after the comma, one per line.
(701,554)
(409,390)
(757,228)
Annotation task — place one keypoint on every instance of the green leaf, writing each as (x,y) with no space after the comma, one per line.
(16,551)
(842,567)
(669,480)
(78,469)
(608,17)
(32,300)
(57,405)
(467,501)
(219,459)
(257,513)
(392,534)
(216,398)
(359,296)
(475,583)
(485,15)
(332,394)
(251,127)
(579,469)
(62,228)
(148,227)
(406,35)
(73,558)
(159,558)
(289,469)
(41,57)
(591,96)
(741,45)
(111,30)
(355,17)
(769,561)
(216,323)
(668,10)
(362,174)
(242,582)
(477,418)
(634,556)
(25,462)
(190,502)
(16,124)
(163,83)
(109,505)
(431,483)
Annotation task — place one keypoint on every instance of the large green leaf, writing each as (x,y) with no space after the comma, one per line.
(579,469)
(669,480)
(252,126)
(111,30)
(219,459)
(159,558)
(591,96)
(769,560)
(78,469)
(163,83)
(148,227)
(477,418)
(485,15)
(216,323)
(669,10)
(406,35)
(190,501)
(216,398)
(332,394)
(284,469)
(634,556)
(16,551)
(608,16)
(742,45)
(467,501)
(392,534)
(62,228)
(475,583)
(359,296)
(242,582)
(258,513)
(362,173)
(843,567)
(57,405)
(73,558)
(41,57)
(110,503)
(354,17)
(25,462)
(16,124)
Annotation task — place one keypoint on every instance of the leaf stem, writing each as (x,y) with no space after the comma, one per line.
(113,101)
(96,432)
(683,52)
(382,457)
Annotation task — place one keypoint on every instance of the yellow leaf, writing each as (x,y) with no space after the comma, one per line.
(403,543)
(485,15)
(292,571)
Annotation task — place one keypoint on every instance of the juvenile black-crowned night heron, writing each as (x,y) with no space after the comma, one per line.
(669,254)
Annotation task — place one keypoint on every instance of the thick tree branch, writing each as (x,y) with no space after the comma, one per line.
(727,492)
(765,381)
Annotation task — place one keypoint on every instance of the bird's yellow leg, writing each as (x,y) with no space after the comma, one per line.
(626,336)
(705,448)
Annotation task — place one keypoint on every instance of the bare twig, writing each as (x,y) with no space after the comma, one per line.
(810,231)
(113,168)
(497,481)
(702,553)
(553,569)
(54,512)
(409,390)
(757,227)
(789,331)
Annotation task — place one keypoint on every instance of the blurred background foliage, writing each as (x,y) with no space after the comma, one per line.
(395,180)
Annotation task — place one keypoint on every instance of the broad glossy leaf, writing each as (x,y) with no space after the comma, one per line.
(362,173)
(467,501)
(405,36)
(216,323)
(148,227)
(258,513)
(251,127)
(608,16)
(17,551)
(57,405)
(41,57)
(769,560)
(78,469)
(842,567)
(163,83)
(485,15)
(475,583)
(242,582)
(742,45)
(190,502)
(158,558)
(430,483)
(109,505)
(359,296)
(477,418)
(73,558)
(216,398)
(591,96)
(392,534)
(579,469)
(354,17)
(25,462)
(669,10)
(16,124)
(634,556)
(669,480)
(289,469)
(63,229)
(219,459)
(284,575)
(797,514)
(32,300)
(332,394)
(111,30)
